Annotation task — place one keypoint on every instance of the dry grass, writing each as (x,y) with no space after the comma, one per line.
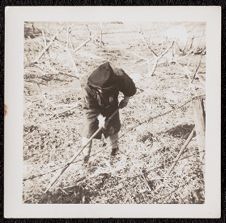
(53,119)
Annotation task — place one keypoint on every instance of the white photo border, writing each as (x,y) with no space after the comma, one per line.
(14,99)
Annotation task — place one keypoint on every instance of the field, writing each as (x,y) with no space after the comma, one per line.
(58,57)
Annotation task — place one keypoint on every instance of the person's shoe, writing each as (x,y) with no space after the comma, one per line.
(114,151)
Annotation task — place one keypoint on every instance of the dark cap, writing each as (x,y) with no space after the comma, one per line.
(102,77)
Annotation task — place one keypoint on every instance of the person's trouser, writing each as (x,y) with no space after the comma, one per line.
(113,139)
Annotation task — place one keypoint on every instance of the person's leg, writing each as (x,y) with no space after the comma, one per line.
(90,126)
(87,150)
(114,144)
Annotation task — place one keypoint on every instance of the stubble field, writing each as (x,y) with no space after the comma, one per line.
(155,124)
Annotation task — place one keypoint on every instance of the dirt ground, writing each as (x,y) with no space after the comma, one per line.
(154,126)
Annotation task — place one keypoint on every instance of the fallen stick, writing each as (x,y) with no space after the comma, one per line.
(181,151)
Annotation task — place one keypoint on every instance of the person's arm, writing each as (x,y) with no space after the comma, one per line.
(126,86)
(123,103)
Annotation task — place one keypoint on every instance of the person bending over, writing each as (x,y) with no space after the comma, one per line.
(100,101)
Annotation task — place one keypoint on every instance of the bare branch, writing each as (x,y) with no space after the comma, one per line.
(90,33)
(181,151)
(159,57)
(73,62)
(46,48)
(147,43)
(153,67)
(166,51)
(101,34)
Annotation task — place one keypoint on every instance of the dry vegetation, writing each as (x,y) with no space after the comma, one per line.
(155,124)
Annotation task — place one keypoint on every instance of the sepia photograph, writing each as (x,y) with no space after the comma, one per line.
(116,112)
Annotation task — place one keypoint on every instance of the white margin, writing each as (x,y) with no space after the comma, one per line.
(13,164)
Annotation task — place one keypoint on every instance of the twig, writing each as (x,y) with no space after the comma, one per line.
(69,75)
(147,43)
(159,57)
(140,89)
(63,191)
(46,48)
(191,44)
(72,46)
(167,197)
(197,68)
(187,157)
(169,194)
(90,33)
(153,67)
(145,180)
(166,50)
(73,62)
(181,151)
(156,57)
(70,54)
(67,110)
(68,30)
(44,38)
(101,34)
(82,44)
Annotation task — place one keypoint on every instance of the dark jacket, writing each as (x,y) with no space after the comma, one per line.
(102,98)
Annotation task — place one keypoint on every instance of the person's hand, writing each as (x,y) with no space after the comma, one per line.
(101,120)
(123,103)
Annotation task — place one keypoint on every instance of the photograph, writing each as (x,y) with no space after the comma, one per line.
(115,115)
